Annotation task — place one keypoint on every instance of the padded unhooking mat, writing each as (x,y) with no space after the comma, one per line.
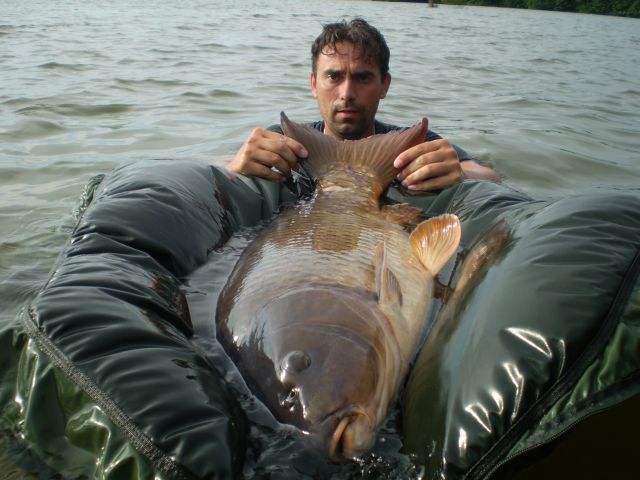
(119,376)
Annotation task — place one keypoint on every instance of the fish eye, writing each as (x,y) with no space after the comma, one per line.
(296,362)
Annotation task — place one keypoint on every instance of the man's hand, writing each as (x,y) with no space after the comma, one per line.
(265,151)
(430,165)
(435,165)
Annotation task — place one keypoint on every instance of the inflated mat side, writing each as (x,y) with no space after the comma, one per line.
(593,426)
(522,331)
(114,319)
(54,429)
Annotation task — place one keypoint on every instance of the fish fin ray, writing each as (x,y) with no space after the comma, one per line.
(434,241)
(387,285)
(324,150)
(375,153)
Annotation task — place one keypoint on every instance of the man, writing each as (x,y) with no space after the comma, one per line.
(349,77)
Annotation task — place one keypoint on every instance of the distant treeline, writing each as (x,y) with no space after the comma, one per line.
(624,8)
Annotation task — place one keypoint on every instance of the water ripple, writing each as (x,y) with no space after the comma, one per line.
(65,66)
(76,110)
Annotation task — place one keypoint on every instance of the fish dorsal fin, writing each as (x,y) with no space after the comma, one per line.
(434,241)
(387,284)
(372,154)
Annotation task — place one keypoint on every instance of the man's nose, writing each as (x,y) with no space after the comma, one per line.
(347,89)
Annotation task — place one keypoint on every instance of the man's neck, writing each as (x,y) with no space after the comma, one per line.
(371,131)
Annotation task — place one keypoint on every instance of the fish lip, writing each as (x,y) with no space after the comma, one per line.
(336,438)
(335,430)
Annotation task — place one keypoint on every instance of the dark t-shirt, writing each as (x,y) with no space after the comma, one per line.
(380,127)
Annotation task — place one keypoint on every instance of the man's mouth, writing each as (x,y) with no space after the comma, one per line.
(347,113)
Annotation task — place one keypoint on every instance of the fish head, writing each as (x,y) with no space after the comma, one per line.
(329,349)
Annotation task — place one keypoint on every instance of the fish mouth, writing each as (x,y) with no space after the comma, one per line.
(352,435)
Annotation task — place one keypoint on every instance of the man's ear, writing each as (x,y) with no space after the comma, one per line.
(385,85)
(312,81)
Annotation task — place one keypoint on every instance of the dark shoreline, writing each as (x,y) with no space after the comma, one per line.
(618,8)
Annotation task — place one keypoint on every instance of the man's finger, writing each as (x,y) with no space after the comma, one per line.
(411,154)
(262,171)
(404,158)
(284,149)
(296,147)
(424,172)
(417,164)
(272,159)
(282,142)
(433,177)
(435,183)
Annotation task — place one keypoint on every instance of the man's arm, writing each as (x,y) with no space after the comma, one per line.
(472,169)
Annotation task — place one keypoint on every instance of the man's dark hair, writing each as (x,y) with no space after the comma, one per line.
(360,34)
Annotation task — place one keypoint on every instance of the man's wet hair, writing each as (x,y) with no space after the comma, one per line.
(360,34)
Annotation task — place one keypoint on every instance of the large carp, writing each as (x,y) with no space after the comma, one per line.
(324,310)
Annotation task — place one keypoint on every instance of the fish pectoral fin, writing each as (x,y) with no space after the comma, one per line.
(387,284)
(434,241)
(401,213)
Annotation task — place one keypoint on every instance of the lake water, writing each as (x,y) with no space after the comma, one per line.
(550,100)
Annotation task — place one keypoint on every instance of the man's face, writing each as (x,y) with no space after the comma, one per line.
(348,88)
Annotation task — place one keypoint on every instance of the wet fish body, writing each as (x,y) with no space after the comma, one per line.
(324,310)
